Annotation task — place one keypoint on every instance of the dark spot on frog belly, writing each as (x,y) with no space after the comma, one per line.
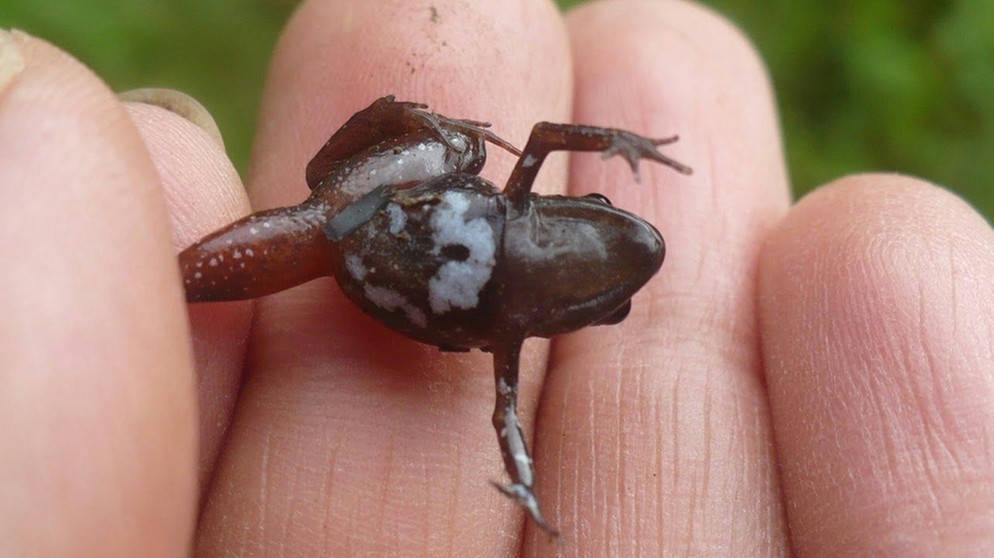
(455,252)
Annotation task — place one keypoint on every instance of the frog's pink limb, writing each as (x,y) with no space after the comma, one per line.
(260,254)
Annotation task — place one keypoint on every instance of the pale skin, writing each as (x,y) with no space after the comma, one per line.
(815,379)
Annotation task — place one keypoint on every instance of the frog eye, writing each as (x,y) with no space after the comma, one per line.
(598,197)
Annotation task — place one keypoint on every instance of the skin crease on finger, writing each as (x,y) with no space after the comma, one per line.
(97,408)
(877,307)
(349,439)
(659,426)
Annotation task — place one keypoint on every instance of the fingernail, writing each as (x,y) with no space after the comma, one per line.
(11,61)
(179,103)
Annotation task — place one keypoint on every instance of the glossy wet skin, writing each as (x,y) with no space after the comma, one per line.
(398,216)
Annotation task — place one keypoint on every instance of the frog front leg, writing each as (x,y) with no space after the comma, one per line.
(514,449)
(547,137)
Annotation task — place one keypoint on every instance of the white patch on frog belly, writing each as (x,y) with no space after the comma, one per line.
(459,283)
(398,219)
(389,299)
(353,264)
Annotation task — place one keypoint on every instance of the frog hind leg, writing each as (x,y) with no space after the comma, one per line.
(384,118)
(388,118)
(260,254)
(517,461)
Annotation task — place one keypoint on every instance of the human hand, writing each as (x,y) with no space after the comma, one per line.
(853,330)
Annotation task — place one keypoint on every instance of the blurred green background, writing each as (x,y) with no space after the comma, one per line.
(862,84)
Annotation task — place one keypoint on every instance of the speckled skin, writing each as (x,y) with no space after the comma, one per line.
(398,216)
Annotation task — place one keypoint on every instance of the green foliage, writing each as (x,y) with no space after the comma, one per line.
(904,86)
(215,50)
(893,85)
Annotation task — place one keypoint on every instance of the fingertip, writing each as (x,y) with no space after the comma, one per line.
(505,63)
(178,103)
(874,293)
(202,188)
(667,68)
(845,226)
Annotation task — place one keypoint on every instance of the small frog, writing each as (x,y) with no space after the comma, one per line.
(398,215)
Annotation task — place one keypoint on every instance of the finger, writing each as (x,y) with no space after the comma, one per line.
(876,308)
(97,407)
(658,427)
(348,436)
(203,193)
